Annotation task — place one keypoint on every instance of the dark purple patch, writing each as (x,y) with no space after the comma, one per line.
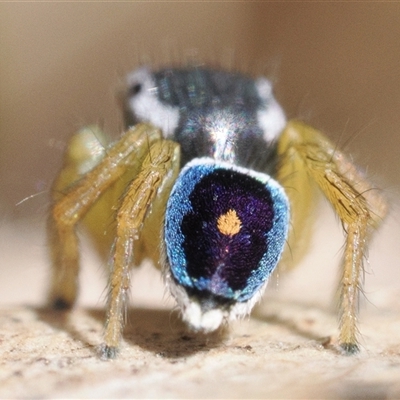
(210,253)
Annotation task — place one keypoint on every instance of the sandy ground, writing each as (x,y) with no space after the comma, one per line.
(287,349)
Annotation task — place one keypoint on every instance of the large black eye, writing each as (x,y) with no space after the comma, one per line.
(135,89)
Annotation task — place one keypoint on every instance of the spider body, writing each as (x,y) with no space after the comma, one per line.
(225,116)
(221,121)
(203,197)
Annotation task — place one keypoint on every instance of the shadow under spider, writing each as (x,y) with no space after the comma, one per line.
(159,331)
(305,326)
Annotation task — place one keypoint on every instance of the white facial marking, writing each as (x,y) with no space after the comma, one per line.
(271,119)
(146,105)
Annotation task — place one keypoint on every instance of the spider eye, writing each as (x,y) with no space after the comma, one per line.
(135,89)
(225,229)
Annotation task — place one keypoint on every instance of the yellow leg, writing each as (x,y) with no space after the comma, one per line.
(356,214)
(358,204)
(157,175)
(73,202)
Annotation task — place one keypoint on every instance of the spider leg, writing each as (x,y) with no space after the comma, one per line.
(73,201)
(158,173)
(358,205)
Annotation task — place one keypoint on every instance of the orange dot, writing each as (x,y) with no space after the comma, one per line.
(229,223)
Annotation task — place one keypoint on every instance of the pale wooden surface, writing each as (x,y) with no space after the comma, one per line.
(285,350)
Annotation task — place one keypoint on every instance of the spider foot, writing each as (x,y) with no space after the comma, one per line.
(349,348)
(107,352)
(60,304)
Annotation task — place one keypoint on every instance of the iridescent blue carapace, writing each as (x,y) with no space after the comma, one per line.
(225,228)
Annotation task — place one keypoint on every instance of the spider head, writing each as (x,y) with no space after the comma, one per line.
(225,229)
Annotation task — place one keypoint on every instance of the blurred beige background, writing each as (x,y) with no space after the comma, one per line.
(335,65)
